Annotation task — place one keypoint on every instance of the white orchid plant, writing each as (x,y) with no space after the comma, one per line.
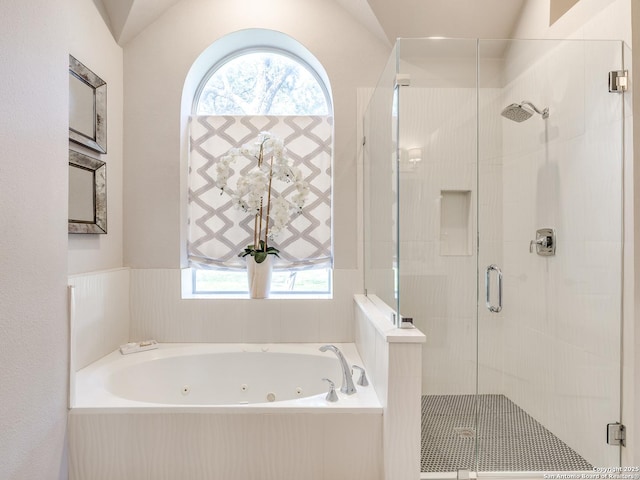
(256,192)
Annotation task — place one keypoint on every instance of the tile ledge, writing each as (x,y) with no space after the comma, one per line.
(106,271)
(379,314)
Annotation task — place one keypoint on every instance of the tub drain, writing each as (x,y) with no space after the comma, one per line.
(465,432)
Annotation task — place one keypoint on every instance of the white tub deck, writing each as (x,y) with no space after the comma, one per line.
(95,391)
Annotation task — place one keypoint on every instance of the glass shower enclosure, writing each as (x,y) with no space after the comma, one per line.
(493,217)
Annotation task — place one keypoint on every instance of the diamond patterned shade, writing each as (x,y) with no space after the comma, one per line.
(217,231)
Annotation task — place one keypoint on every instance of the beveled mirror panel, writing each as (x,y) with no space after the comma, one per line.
(87,107)
(87,194)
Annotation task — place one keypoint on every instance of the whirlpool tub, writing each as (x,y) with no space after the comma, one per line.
(223,411)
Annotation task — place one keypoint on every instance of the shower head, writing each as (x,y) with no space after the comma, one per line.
(519,112)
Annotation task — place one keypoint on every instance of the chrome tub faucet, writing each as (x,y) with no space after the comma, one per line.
(347,380)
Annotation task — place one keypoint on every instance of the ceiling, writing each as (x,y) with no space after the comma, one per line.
(387,19)
(449,18)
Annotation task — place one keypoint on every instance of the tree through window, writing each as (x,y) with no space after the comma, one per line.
(262,83)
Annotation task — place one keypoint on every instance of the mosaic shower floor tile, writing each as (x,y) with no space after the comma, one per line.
(508,438)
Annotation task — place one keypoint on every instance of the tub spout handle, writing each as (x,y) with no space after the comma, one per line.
(332,396)
(362,380)
(347,381)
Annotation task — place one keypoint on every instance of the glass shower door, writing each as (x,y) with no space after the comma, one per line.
(549,264)
(437,169)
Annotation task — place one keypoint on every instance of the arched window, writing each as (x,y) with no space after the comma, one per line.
(262,82)
(246,93)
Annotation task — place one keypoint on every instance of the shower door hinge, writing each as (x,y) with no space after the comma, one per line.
(616,434)
(364,141)
(618,80)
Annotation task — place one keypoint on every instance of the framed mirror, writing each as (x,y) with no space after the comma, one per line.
(87,107)
(87,194)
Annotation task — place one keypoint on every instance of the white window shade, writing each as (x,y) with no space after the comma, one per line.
(217,231)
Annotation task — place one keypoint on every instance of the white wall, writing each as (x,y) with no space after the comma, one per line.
(156,64)
(587,19)
(91,42)
(33,211)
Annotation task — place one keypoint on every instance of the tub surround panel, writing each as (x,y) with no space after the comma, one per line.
(159,312)
(101,312)
(360,457)
(402,427)
(225,446)
(393,358)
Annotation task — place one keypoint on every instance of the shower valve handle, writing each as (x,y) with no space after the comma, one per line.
(542,241)
(545,242)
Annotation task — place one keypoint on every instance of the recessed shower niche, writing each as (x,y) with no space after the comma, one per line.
(455,222)
(530,386)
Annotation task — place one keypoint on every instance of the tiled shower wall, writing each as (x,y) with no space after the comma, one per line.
(438,285)
(561,334)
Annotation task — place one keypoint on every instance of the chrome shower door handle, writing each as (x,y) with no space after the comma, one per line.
(487,279)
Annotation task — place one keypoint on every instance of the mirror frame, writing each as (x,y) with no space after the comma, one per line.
(99,170)
(98,141)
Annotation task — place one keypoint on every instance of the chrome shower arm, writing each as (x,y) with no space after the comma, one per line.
(544,113)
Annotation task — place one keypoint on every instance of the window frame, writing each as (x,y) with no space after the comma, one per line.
(295,294)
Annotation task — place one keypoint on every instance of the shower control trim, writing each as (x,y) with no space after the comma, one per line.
(545,242)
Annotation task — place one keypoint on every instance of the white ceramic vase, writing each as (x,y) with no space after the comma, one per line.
(259,277)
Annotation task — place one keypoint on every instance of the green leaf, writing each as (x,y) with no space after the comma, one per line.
(260,254)
(273,251)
